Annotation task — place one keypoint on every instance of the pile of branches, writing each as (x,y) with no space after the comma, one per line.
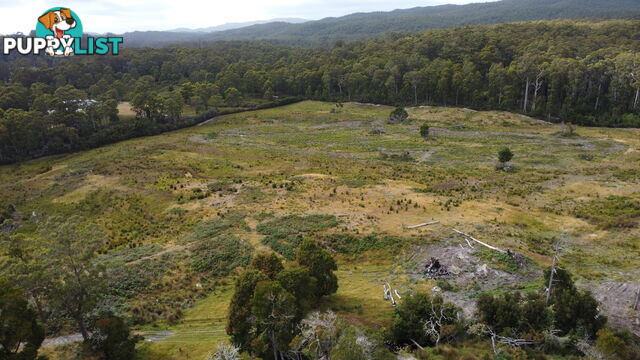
(434,269)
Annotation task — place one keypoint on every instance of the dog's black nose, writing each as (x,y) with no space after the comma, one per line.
(70,21)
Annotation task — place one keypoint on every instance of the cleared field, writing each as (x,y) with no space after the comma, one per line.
(246,169)
(125,110)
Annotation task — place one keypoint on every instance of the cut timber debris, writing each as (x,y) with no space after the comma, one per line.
(518,258)
(433,269)
(480,242)
(388,295)
(423,224)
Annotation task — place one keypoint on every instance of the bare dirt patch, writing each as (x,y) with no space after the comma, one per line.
(470,273)
(617,299)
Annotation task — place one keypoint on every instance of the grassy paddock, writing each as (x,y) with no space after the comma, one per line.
(240,175)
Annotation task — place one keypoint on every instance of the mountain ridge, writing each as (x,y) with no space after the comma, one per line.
(237,25)
(365,25)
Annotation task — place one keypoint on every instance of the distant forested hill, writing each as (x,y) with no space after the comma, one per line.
(374,24)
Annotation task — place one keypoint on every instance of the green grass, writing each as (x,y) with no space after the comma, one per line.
(197,334)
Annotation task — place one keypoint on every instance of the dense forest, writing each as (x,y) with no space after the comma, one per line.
(585,73)
(361,26)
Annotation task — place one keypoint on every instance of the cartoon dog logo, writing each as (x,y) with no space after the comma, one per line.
(58,21)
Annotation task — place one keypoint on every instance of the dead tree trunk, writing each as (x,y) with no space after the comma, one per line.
(421,225)
(636,302)
(556,257)
(598,97)
(536,89)
(526,95)
(480,242)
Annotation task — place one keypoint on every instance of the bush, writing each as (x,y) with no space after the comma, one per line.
(505,155)
(219,256)
(576,311)
(211,229)
(611,212)
(20,333)
(356,344)
(302,286)
(513,312)
(112,339)
(617,345)
(352,244)
(240,318)
(320,265)
(424,130)
(269,263)
(405,156)
(398,115)
(285,234)
(418,309)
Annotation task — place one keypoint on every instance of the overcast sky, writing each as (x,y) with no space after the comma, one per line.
(125,15)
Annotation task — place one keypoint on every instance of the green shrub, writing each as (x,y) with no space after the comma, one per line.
(219,256)
(417,309)
(611,212)
(213,228)
(499,260)
(513,312)
(445,285)
(20,333)
(398,115)
(285,234)
(352,244)
(405,157)
(424,130)
(617,345)
(268,263)
(358,344)
(505,155)
(112,339)
(576,311)
(320,265)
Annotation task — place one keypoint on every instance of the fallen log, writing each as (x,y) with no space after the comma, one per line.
(423,224)
(480,242)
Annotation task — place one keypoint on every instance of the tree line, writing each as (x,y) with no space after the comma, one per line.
(577,72)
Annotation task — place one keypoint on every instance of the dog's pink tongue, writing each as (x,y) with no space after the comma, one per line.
(59,33)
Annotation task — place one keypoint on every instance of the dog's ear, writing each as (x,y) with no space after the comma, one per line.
(47,19)
(66,13)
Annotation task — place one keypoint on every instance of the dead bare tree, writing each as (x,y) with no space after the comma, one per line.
(388,295)
(557,249)
(536,88)
(482,329)
(225,352)
(526,94)
(319,333)
(433,326)
(636,301)
(586,348)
